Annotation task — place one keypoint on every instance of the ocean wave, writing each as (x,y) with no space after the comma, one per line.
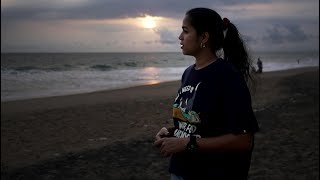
(34,69)
(25,68)
(128,64)
(101,67)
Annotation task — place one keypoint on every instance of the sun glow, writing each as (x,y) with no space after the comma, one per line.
(149,22)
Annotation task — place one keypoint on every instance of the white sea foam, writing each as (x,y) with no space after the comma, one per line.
(25,76)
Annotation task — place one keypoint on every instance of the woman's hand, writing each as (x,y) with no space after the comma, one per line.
(171,145)
(162,133)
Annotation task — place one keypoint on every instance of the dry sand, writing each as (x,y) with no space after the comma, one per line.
(109,134)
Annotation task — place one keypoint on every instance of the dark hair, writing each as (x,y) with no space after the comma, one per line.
(208,20)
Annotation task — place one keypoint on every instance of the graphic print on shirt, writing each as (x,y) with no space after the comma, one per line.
(183,112)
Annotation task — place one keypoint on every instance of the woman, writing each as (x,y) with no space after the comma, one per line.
(214,123)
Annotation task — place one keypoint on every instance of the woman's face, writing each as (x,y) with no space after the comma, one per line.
(189,40)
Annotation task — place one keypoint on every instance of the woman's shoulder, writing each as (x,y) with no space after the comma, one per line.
(187,72)
(188,69)
(226,71)
(223,66)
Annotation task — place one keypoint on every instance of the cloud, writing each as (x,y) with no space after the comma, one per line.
(104,9)
(50,24)
(249,39)
(284,33)
(166,36)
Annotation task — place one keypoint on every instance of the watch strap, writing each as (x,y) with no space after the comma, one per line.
(192,146)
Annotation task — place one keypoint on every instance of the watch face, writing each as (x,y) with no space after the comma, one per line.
(192,148)
(192,145)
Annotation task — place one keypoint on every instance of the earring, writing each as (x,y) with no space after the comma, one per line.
(202,45)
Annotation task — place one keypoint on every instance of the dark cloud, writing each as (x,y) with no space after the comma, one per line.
(284,33)
(249,39)
(287,27)
(104,9)
(95,10)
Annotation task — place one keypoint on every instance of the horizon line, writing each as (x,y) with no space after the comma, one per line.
(92,52)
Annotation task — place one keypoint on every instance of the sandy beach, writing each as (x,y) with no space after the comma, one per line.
(109,134)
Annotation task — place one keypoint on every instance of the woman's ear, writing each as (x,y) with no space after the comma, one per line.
(205,37)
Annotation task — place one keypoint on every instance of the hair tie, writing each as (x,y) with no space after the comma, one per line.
(226,23)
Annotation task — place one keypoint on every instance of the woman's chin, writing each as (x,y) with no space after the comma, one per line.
(184,52)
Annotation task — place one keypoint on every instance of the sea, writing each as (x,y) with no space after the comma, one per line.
(36,75)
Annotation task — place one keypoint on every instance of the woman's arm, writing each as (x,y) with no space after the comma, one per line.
(224,143)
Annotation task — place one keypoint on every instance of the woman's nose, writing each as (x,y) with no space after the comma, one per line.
(180,36)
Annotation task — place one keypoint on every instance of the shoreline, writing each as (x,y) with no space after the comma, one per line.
(109,134)
(293,70)
(125,87)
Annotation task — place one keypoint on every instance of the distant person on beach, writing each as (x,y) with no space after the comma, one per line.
(260,66)
(213,122)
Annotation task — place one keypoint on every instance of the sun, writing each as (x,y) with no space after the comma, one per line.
(149,22)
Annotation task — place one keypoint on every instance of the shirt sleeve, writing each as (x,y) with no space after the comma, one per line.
(237,107)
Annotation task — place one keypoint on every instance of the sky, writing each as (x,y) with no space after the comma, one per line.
(151,25)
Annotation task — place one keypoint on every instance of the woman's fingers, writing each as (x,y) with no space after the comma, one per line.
(163,132)
(158,142)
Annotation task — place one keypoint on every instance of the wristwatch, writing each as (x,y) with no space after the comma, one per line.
(192,146)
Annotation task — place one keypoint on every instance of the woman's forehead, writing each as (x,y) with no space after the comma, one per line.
(186,21)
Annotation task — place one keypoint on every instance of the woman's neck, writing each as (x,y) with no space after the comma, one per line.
(204,59)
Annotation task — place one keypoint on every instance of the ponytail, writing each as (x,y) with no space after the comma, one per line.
(235,50)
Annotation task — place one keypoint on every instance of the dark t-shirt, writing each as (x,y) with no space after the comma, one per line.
(212,101)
